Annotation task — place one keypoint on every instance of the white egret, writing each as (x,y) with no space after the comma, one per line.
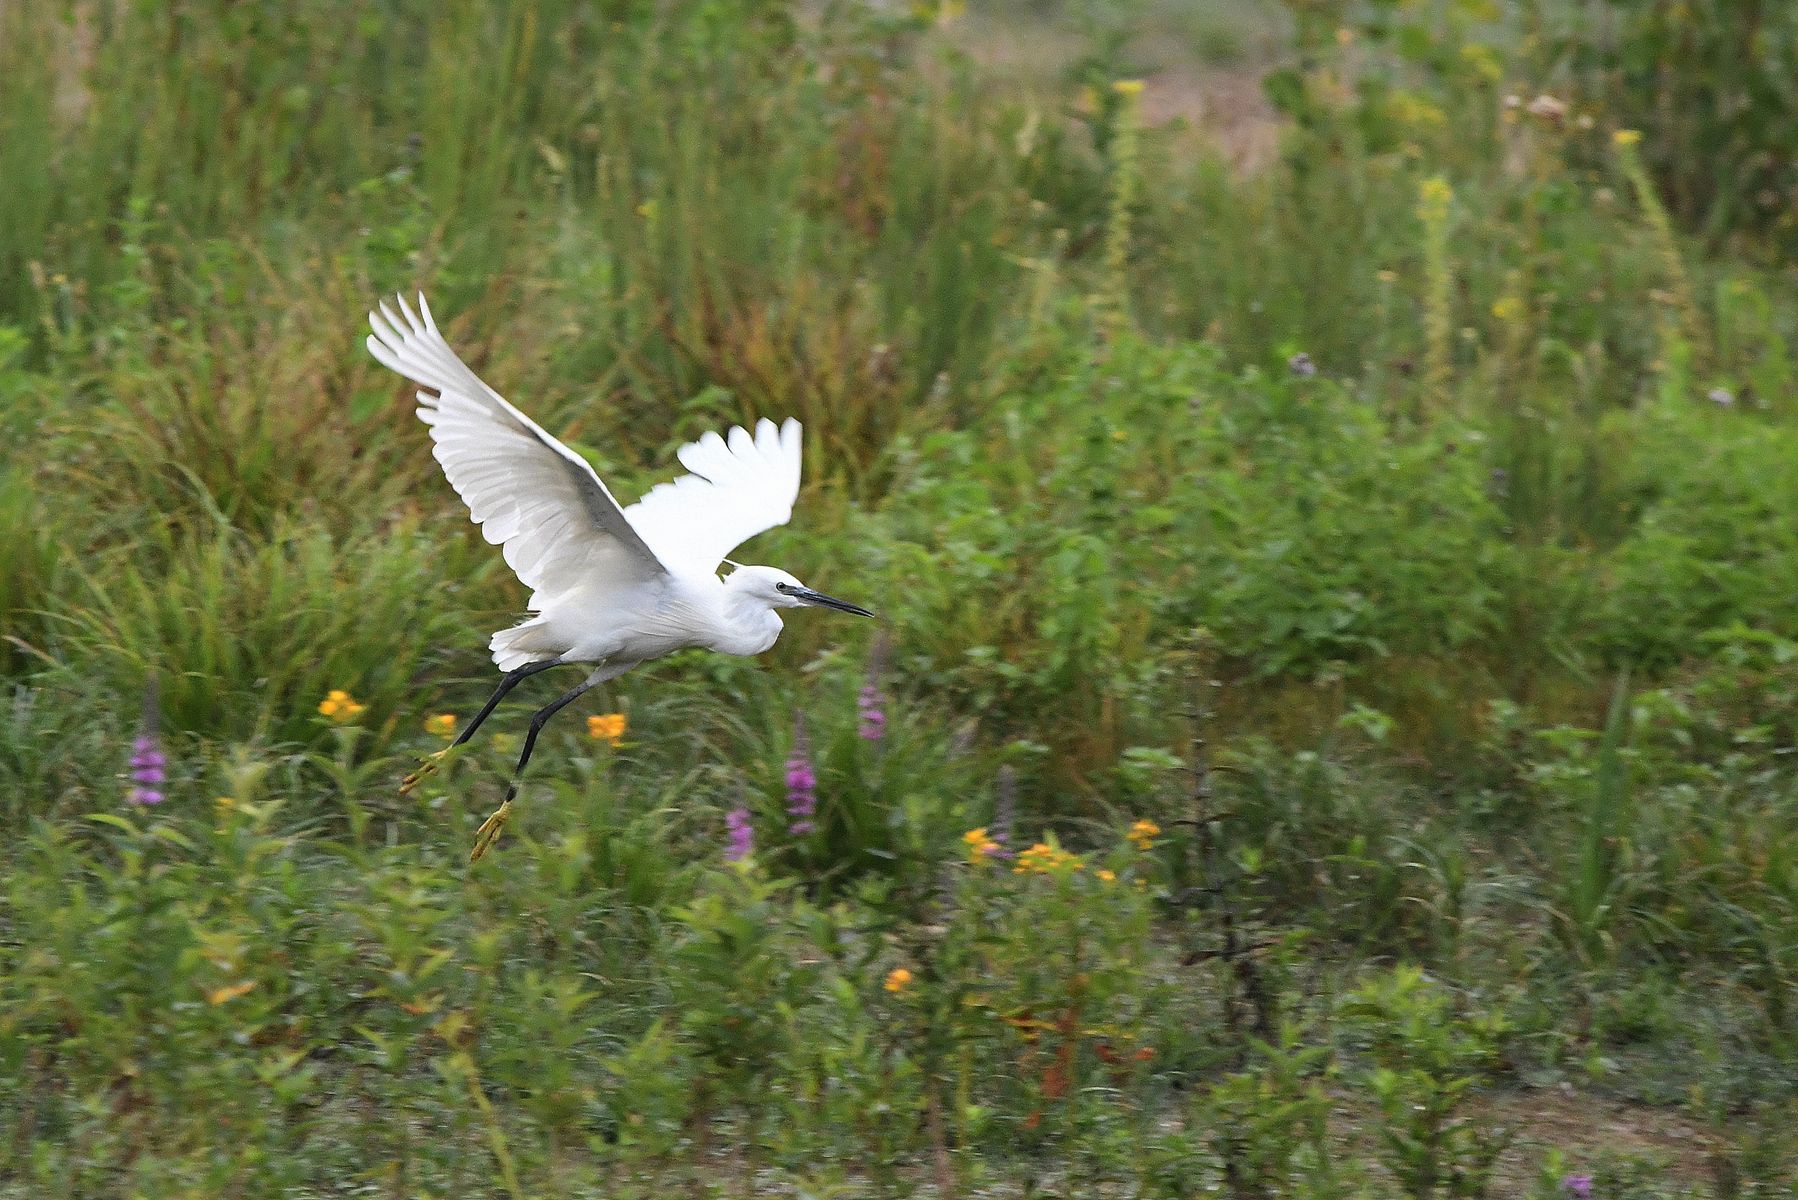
(610,586)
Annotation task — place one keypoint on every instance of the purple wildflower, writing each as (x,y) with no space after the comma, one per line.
(873,720)
(742,835)
(149,767)
(870,704)
(1577,1186)
(802,782)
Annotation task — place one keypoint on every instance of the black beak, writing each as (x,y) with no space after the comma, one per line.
(822,601)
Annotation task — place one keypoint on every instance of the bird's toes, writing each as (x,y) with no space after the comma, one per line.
(425,768)
(488,833)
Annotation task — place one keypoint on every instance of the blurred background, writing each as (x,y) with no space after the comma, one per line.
(1326,470)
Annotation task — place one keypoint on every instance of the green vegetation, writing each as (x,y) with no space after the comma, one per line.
(1340,656)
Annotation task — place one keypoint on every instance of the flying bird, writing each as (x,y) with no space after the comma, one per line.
(611,586)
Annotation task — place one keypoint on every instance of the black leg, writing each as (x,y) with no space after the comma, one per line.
(489,831)
(512,679)
(538,722)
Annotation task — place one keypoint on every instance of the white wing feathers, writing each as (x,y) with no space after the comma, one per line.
(738,488)
(558,525)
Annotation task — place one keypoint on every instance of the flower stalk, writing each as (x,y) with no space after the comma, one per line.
(149,768)
(870,704)
(149,765)
(1113,304)
(802,782)
(740,835)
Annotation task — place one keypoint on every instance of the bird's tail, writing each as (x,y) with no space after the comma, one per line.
(521,644)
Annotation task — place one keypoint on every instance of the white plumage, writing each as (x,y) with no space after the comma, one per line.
(610,585)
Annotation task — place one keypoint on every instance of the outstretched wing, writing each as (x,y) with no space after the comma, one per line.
(558,525)
(739,486)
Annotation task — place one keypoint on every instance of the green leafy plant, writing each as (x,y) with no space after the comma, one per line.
(1423,1059)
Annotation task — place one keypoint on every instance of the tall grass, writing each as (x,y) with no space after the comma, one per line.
(244,638)
(739,201)
(1594,892)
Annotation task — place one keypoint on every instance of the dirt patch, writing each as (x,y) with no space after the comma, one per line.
(1585,1129)
(1227,105)
(1221,102)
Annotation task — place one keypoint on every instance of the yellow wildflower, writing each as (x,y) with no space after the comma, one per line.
(898,979)
(610,727)
(225,803)
(1414,110)
(1625,138)
(980,846)
(1434,195)
(1128,87)
(1509,309)
(1483,61)
(1106,875)
(219,995)
(340,706)
(443,724)
(1042,859)
(1144,833)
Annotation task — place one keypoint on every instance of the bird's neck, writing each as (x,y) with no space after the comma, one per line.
(749,625)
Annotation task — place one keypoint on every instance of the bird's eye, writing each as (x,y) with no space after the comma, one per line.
(784,587)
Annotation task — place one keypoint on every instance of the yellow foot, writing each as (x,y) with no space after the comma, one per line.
(425,768)
(488,833)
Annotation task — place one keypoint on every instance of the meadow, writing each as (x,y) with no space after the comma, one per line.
(1326,470)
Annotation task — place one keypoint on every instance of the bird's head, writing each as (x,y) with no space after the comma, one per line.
(777,589)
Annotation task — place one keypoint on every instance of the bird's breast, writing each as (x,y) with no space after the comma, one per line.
(747,635)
